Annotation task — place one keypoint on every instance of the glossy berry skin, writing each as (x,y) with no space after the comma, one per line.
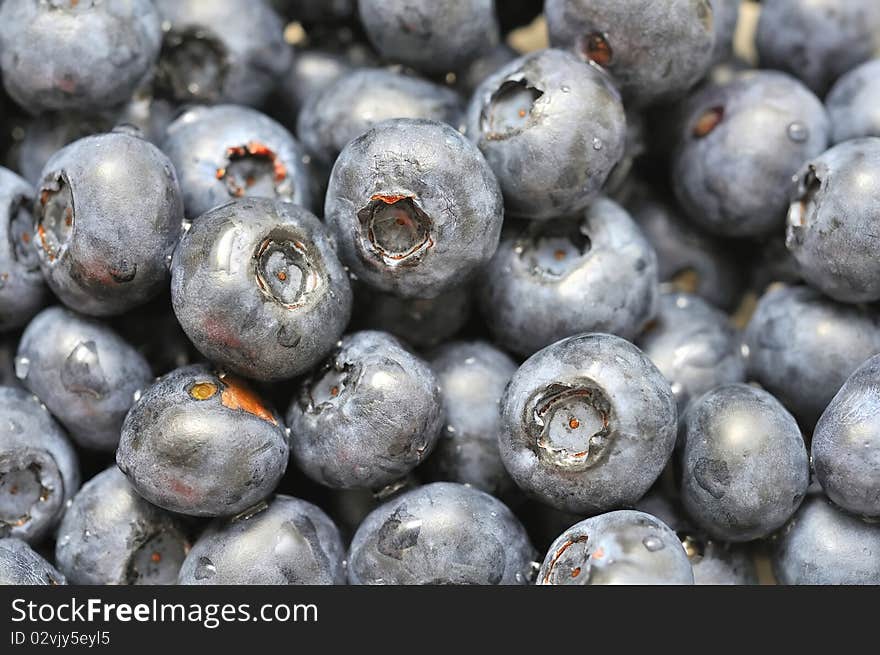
(108,216)
(846,443)
(84,372)
(654,50)
(22,290)
(367,416)
(521,113)
(802,348)
(286,541)
(694,346)
(420,322)
(363,98)
(271,299)
(687,256)
(714,562)
(227,152)
(39,471)
(625,547)
(823,545)
(595,272)
(220,52)
(744,463)
(414,208)
(817,41)
(473,376)
(588,424)
(740,144)
(441,533)
(831,219)
(202,443)
(852,103)
(110,535)
(68,56)
(20,565)
(434,37)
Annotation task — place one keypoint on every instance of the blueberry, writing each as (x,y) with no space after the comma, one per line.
(550,279)
(39,470)
(740,144)
(434,37)
(802,347)
(420,322)
(414,206)
(831,221)
(85,373)
(822,545)
(108,216)
(623,547)
(283,541)
(20,565)
(694,346)
(367,416)
(689,258)
(22,291)
(441,533)
(744,463)
(220,51)
(110,535)
(852,103)
(473,376)
(271,299)
(365,97)
(61,55)
(202,443)
(654,50)
(846,443)
(552,129)
(226,152)
(588,424)
(817,41)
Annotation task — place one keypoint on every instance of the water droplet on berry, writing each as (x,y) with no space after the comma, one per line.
(653,544)
(798,132)
(22,367)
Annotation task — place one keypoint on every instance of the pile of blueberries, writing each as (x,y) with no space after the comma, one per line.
(613,298)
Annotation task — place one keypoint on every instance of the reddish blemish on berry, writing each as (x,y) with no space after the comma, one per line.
(237,395)
(708,121)
(573,423)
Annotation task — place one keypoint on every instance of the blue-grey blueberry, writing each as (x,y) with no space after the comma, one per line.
(20,565)
(110,535)
(85,373)
(257,287)
(552,128)
(625,547)
(595,272)
(202,443)
(414,207)
(367,416)
(39,470)
(108,216)
(439,534)
(588,424)
(226,152)
(738,147)
(745,468)
(281,541)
